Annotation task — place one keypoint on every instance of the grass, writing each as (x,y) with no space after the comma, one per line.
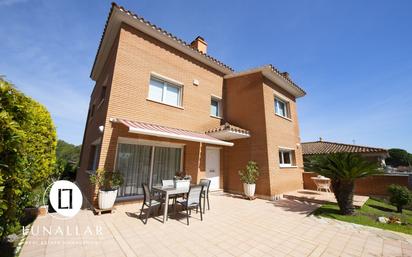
(368,214)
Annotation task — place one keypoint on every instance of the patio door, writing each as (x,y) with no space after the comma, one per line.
(145,164)
(213,167)
(133,162)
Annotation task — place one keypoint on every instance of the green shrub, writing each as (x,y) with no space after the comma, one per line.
(250,174)
(107,180)
(399,196)
(27,153)
(67,159)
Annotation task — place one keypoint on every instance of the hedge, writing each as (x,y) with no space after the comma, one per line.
(27,153)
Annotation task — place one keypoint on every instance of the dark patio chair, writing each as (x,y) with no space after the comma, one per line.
(205,194)
(192,201)
(149,202)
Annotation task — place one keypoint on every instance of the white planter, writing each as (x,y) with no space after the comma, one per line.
(107,198)
(182,183)
(249,189)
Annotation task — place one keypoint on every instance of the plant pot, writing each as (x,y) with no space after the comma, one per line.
(42,210)
(36,211)
(107,198)
(249,189)
(31,211)
(181,183)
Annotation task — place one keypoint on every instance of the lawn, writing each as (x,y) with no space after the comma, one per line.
(368,214)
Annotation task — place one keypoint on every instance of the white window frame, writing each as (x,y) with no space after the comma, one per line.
(281,153)
(219,106)
(166,83)
(286,104)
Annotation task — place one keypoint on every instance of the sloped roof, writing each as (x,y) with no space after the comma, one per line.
(118,15)
(324,147)
(165,35)
(272,73)
(228,127)
(285,75)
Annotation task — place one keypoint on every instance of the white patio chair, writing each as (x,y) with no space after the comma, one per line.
(322,183)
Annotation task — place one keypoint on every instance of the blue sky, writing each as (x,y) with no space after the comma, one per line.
(354,58)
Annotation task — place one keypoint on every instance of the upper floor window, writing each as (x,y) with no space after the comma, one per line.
(286,157)
(165,92)
(215,107)
(103,93)
(282,108)
(92,111)
(94,157)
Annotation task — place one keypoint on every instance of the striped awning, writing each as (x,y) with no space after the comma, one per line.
(167,132)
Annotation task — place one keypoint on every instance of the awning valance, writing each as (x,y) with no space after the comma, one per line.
(167,132)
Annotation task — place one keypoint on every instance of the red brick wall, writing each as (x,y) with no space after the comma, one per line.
(374,185)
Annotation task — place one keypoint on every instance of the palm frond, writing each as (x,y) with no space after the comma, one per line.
(342,166)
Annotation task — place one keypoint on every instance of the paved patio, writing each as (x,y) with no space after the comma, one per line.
(322,197)
(233,227)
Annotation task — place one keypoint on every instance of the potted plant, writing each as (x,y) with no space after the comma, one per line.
(35,204)
(180,180)
(249,177)
(108,183)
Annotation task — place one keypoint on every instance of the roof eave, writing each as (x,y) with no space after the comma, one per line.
(282,82)
(117,16)
(228,135)
(273,76)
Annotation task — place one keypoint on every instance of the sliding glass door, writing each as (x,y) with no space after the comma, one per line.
(133,161)
(145,164)
(166,163)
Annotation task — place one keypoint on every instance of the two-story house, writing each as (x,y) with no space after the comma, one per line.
(160,106)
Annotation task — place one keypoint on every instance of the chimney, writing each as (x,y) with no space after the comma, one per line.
(286,74)
(200,44)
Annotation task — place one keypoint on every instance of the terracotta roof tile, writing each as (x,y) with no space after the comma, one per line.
(285,75)
(324,147)
(228,126)
(148,23)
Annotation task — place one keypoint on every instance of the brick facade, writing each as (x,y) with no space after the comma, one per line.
(247,102)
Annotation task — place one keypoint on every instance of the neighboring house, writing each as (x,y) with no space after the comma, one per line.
(323,147)
(376,185)
(160,106)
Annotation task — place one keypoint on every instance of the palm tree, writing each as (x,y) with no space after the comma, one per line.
(343,169)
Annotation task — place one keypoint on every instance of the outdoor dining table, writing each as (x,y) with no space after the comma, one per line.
(167,191)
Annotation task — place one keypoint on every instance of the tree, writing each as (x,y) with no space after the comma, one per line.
(398,157)
(343,169)
(27,153)
(399,196)
(67,159)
